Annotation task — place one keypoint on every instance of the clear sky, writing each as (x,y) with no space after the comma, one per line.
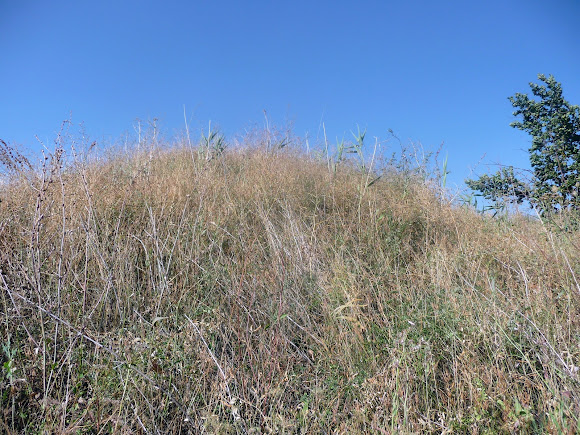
(433,71)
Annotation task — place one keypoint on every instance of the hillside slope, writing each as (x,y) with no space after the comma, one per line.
(260,292)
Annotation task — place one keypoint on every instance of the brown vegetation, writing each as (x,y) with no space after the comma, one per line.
(259,291)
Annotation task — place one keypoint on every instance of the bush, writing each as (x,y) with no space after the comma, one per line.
(554,125)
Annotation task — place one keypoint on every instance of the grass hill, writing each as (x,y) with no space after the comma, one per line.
(262,290)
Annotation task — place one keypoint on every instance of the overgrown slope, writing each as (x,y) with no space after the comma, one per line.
(260,292)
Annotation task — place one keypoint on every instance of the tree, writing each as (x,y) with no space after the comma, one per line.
(554,125)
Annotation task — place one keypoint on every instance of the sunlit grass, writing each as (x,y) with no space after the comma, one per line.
(259,289)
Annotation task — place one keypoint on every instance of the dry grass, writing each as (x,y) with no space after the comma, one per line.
(257,292)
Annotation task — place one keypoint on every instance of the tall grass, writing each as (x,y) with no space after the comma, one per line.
(262,290)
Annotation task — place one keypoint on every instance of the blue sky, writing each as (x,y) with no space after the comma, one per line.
(433,71)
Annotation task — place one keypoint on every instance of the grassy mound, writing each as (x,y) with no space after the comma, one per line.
(258,291)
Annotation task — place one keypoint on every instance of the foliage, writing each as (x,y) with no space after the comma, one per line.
(501,185)
(554,125)
(213,145)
